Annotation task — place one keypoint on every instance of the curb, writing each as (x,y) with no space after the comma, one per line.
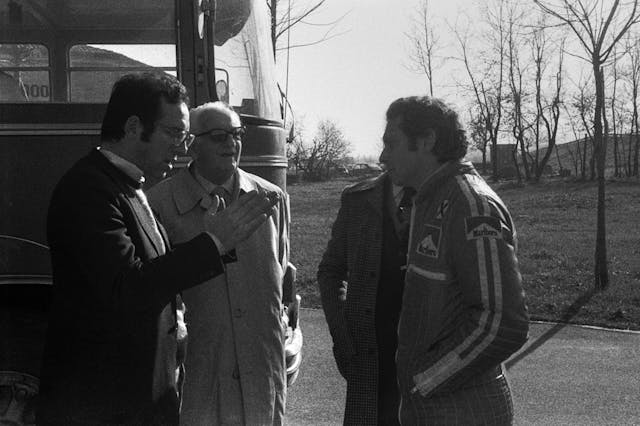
(588,327)
(564,324)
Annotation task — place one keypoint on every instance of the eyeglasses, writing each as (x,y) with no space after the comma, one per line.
(221,135)
(180,137)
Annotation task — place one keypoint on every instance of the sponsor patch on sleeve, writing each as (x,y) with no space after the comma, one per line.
(429,245)
(482,227)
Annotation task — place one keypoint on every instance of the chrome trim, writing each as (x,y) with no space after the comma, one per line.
(49,129)
(26,279)
(263,160)
(24,240)
(49,132)
(50,126)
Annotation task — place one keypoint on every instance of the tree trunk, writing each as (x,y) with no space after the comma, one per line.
(514,157)
(484,160)
(595,149)
(635,154)
(584,158)
(601,270)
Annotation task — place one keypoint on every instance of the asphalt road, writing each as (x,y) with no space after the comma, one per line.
(564,375)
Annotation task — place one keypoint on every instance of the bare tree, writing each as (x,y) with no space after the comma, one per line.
(423,43)
(576,157)
(617,125)
(290,14)
(548,111)
(326,151)
(633,77)
(519,126)
(599,25)
(479,134)
(496,21)
(487,82)
(582,104)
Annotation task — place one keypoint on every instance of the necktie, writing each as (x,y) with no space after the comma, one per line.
(225,199)
(223,195)
(403,214)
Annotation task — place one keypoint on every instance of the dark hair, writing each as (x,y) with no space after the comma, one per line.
(421,114)
(139,95)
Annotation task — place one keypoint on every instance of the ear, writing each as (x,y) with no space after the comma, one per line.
(133,126)
(426,143)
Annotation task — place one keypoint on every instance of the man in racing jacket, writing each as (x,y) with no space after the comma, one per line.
(463,309)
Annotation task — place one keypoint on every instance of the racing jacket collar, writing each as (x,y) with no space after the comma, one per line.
(435,179)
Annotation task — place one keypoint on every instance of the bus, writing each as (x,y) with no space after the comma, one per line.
(58,62)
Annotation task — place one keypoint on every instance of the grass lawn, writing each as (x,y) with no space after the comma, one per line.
(556,223)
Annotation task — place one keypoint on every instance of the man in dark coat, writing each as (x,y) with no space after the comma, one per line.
(361,278)
(112,354)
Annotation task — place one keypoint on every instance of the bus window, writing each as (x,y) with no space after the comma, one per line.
(93,68)
(24,73)
(80,47)
(244,58)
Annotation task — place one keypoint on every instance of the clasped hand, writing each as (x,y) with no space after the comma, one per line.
(241,218)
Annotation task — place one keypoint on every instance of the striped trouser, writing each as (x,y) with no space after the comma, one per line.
(487,403)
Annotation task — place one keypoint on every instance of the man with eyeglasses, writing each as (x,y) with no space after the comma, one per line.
(235,369)
(115,341)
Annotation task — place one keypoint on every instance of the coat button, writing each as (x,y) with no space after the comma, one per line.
(238,312)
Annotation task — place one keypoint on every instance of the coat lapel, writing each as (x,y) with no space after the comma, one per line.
(128,187)
(146,222)
(375,198)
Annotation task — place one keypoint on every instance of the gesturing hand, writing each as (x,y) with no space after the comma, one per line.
(241,218)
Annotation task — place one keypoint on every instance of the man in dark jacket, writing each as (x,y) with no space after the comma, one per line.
(112,352)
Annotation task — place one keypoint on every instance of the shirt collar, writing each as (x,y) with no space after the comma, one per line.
(209,186)
(125,166)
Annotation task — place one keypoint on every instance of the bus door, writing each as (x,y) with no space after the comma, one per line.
(233,61)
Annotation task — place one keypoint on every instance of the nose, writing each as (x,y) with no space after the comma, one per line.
(383,156)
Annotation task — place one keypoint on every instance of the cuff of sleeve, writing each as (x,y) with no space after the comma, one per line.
(221,249)
(226,256)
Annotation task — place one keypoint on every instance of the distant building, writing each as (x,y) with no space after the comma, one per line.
(504,159)
(504,155)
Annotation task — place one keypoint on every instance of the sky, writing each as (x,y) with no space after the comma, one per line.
(351,79)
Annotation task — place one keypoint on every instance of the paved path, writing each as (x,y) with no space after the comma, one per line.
(565,375)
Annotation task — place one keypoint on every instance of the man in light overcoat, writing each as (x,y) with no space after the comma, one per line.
(235,367)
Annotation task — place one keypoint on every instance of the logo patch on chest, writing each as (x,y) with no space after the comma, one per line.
(483,227)
(429,245)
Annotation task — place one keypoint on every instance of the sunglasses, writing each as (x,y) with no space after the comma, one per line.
(221,135)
